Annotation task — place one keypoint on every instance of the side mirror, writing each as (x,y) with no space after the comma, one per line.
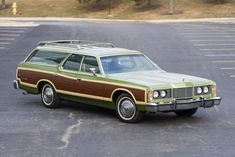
(93,71)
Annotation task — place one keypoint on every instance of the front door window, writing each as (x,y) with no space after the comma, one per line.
(90,62)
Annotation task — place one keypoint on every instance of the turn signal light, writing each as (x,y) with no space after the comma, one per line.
(213,89)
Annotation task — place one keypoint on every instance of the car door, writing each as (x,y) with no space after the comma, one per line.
(67,74)
(88,84)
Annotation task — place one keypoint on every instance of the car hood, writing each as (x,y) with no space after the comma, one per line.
(159,79)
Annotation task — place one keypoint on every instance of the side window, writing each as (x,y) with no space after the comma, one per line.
(46,57)
(73,62)
(90,62)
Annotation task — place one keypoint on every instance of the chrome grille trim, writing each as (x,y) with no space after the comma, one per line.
(183,92)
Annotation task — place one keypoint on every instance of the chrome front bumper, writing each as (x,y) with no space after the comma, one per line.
(183,105)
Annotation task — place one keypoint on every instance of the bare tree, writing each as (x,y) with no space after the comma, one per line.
(148,3)
(3,4)
(219,1)
(215,1)
(171,7)
(100,3)
(83,1)
(96,2)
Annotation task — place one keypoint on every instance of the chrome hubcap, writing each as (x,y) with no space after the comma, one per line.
(48,95)
(127,108)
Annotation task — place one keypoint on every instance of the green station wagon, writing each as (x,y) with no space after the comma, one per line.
(103,75)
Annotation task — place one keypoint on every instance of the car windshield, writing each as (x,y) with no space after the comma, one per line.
(126,63)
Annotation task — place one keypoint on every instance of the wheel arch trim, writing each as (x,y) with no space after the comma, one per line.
(46,80)
(127,91)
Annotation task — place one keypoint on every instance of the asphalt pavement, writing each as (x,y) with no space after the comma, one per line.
(204,49)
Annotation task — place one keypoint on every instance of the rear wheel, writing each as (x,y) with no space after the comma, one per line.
(126,109)
(49,97)
(186,113)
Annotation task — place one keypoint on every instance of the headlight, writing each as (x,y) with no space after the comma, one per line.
(155,94)
(163,93)
(199,90)
(205,89)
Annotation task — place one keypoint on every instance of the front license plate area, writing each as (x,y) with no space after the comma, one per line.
(183,101)
(183,104)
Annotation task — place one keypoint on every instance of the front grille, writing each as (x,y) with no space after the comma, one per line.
(183,92)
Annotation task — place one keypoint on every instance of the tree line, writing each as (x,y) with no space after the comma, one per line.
(148,3)
(144,3)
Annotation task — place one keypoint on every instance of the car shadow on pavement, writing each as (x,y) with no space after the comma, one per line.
(160,118)
(87,109)
(163,118)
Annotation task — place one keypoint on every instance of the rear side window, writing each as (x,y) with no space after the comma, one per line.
(73,62)
(46,57)
(90,62)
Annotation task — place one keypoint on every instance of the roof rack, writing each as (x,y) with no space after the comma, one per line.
(79,44)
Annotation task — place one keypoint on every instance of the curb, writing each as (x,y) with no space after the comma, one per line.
(7,23)
(30,20)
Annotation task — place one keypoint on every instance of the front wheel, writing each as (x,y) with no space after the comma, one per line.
(126,109)
(186,113)
(49,97)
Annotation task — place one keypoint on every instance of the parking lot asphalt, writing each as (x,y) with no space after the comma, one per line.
(204,49)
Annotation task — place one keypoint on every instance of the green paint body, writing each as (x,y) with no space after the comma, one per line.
(147,80)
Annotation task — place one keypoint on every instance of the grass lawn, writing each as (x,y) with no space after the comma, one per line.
(126,10)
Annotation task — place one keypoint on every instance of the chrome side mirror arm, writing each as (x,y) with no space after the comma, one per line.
(93,71)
